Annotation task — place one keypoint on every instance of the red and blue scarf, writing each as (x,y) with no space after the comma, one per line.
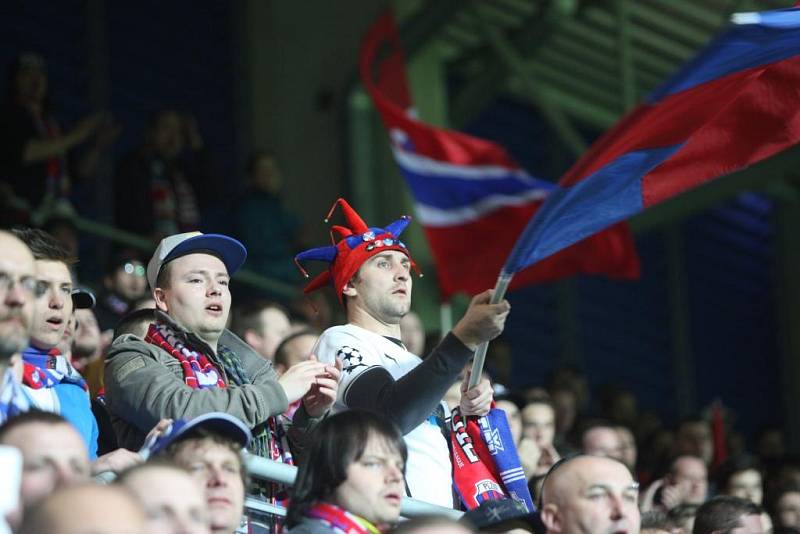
(48,368)
(486,465)
(198,372)
(340,520)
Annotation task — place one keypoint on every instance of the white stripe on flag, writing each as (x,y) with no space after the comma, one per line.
(434,168)
(437,217)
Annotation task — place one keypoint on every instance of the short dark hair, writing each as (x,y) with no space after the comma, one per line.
(722,514)
(44,246)
(336,443)
(734,466)
(29,418)
(656,519)
(247,316)
(591,424)
(130,323)
(280,352)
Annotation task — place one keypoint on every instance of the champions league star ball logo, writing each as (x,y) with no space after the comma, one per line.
(351,358)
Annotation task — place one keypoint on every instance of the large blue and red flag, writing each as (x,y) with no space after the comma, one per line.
(471,198)
(736,103)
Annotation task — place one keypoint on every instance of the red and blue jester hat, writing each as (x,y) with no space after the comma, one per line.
(357,243)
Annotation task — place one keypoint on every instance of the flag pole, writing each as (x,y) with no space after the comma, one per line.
(445,318)
(478,361)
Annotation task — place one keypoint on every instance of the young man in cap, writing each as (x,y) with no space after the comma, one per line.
(370,270)
(188,364)
(210,448)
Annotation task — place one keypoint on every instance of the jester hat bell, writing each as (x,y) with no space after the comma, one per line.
(357,243)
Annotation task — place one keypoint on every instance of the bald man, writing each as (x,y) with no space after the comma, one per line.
(590,495)
(87,508)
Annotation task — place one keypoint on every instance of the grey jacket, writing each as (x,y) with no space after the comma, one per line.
(144,384)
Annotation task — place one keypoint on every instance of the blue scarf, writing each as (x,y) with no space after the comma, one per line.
(13,400)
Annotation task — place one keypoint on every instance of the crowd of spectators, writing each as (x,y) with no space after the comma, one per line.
(133,405)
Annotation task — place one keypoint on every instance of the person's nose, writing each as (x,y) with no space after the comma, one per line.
(63,475)
(214,288)
(394,473)
(401,273)
(617,508)
(15,295)
(215,477)
(57,299)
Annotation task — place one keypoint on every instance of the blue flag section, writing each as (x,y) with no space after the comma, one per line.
(736,103)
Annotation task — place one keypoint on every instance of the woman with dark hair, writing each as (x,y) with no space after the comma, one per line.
(352,479)
(740,476)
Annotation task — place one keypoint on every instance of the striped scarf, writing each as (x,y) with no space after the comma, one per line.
(198,372)
(485,461)
(47,368)
(12,399)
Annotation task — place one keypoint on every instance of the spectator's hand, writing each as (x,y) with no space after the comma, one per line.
(478,400)
(85,127)
(673,495)
(160,428)
(482,321)
(548,459)
(116,461)
(529,456)
(646,502)
(323,393)
(299,378)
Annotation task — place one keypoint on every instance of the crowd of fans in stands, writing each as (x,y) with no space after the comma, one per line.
(129,407)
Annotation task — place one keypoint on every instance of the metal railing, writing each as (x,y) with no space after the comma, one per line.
(285,474)
(112,233)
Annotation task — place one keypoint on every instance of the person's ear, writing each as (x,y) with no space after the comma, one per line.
(349,289)
(252,338)
(550,517)
(159,295)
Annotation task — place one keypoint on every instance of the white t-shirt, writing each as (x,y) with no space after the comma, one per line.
(428,470)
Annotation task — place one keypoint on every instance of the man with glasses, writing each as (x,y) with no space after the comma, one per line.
(17,287)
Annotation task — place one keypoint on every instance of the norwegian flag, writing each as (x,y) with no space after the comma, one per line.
(472,199)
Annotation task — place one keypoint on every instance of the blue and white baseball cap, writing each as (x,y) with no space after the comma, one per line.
(230,251)
(216,422)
